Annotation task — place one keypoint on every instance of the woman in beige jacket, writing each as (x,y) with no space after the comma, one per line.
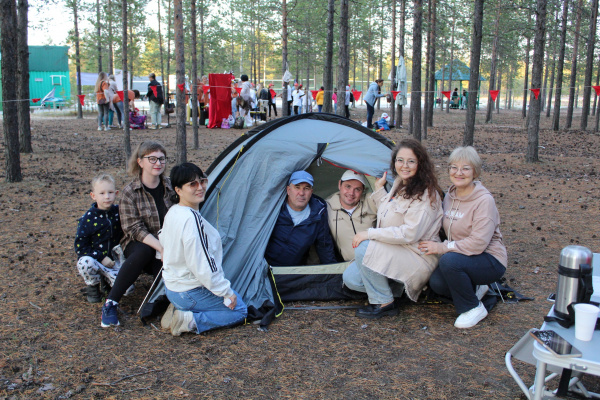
(474,255)
(388,260)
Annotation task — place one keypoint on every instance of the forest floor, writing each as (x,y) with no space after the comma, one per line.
(52,345)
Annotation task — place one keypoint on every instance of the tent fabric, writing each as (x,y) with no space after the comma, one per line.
(460,72)
(401,83)
(220,98)
(247,188)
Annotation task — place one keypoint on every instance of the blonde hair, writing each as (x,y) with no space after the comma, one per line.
(469,155)
(102,76)
(102,177)
(143,149)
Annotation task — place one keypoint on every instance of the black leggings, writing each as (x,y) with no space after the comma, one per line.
(274,109)
(140,258)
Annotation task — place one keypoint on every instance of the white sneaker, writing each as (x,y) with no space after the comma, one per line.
(100,128)
(166,319)
(481,291)
(180,322)
(472,317)
(107,128)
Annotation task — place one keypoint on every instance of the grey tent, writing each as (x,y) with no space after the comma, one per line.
(247,189)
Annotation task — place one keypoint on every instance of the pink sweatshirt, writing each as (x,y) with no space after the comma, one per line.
(472,224)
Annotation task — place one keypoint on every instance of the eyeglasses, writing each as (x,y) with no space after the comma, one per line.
(410,163)
(154,159)
(465,169)
(197,182)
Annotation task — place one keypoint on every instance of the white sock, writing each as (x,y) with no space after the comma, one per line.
(114,302)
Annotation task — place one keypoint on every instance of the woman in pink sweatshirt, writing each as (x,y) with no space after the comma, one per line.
(473,256)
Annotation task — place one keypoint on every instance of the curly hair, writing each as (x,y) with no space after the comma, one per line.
(424,179)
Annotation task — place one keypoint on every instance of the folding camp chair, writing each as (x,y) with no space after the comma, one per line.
(523,351)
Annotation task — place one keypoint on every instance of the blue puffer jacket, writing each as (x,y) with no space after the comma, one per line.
(98,232)
(289,244)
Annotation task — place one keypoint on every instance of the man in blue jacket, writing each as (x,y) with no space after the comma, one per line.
(301,223)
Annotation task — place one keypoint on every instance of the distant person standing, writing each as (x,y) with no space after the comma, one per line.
(115,102)
(465,98)
(102,85)
(334,99)
(347,103)
(297,95)
(272,104)
(155,99)
(203,99)
(370,98)
(319,98)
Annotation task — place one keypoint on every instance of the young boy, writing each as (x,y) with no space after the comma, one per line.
(98,231)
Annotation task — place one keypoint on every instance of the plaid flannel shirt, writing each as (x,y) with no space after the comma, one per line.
(139,215)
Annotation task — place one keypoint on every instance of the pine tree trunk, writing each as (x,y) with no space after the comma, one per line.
(499,87)
(23,78)
(433,38)
(451,65)
(526,80)
(589,66)
(162,57)
(98,33)
(202,40)
(126,136)
(398,121)
(110,38)
(553,71)
(393,55)
(10,122)
(492,83)
(77,58)
(427,61)
(328,70)
(474,76)
(167,93)
(180,140)
(194,94)
(343,62)
(284,56)
(573,83)
(533,128)
(415,95)
(560,66)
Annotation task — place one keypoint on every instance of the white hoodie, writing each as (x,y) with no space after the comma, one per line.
(192,253)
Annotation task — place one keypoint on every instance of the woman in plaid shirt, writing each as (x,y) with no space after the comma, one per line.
(143,205)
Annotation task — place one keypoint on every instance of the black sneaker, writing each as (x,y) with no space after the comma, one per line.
(375,311)
(92,293)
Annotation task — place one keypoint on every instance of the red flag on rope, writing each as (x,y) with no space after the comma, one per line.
(494,94)
(314,93)
(121,95)
(205,88)
(446,93)
(239,90)
(356,94)
(273,94)
(395,94)
(181,86)
(536,92)
(36,100)
(81,98)
(597,89)
(154,91)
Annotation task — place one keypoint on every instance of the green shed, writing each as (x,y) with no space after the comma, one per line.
(48,69)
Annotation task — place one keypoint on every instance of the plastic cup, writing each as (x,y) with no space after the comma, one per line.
(585,321)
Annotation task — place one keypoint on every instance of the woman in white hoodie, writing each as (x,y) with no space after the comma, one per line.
(201,297)
(473,256)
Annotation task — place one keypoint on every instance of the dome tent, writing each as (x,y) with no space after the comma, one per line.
(246,190)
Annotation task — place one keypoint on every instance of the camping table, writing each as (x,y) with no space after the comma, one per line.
(588,363)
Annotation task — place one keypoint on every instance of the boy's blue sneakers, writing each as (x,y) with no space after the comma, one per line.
(109,314)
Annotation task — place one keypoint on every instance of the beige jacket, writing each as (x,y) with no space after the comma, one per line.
(401,225)
(472,224)
(343,226)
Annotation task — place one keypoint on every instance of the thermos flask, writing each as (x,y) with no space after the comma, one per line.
(575,262)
